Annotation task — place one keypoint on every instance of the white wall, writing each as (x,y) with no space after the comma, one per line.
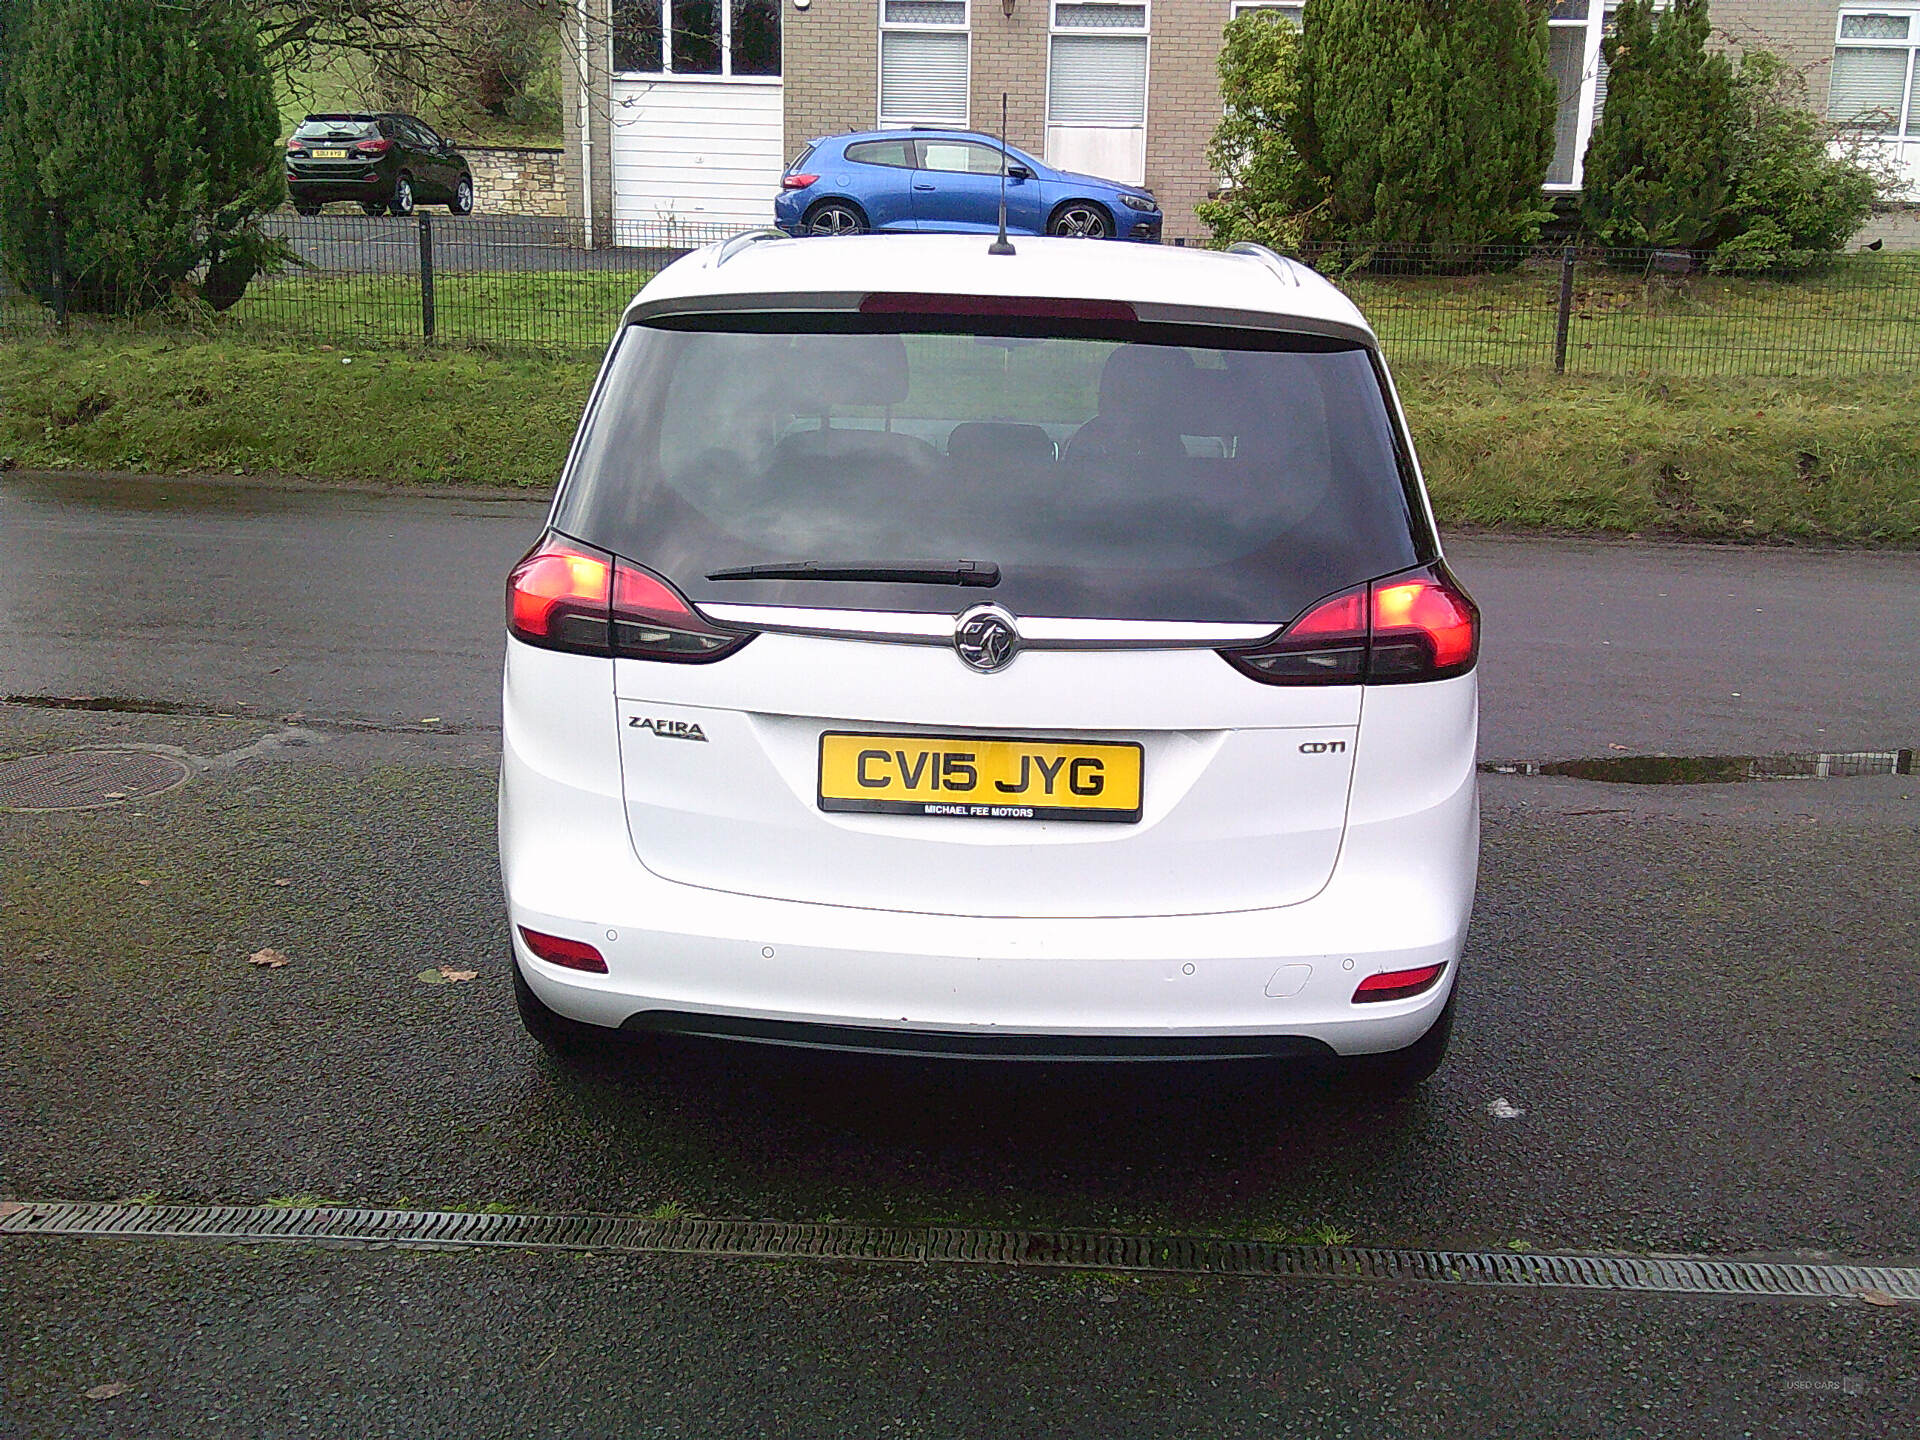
(697,151)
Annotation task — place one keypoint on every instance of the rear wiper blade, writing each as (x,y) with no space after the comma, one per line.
(981,573)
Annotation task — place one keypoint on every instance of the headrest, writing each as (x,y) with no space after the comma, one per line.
(998,440)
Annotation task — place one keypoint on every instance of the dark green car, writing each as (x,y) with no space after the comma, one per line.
(385,161)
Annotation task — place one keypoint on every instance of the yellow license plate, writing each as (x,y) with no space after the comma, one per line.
(329,154)
(980,779)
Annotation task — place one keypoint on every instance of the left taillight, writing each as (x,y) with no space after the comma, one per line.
(558,950)
(1421,625)
(797,182)
(572,597)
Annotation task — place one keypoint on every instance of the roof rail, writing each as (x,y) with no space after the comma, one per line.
(734,244)
(1279,264)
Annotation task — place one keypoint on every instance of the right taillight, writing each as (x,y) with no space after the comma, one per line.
(572,597)
(1418,626)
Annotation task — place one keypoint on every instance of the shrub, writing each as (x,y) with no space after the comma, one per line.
(1792,200)
(1269,198)
(1659,168)
(141,137)
(1429,122)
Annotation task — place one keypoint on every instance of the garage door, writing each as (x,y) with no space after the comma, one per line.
(694,153)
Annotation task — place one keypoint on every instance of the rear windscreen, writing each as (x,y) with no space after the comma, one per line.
(1116,476)
(337,130)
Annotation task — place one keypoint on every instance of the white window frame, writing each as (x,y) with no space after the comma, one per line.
(885,121)
(1595,25)
(666,70)
(1145,32)
(1906,128)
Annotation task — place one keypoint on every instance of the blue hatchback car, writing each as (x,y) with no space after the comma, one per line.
(950,180)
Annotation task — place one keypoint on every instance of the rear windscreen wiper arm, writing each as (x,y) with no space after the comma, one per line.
(980,573)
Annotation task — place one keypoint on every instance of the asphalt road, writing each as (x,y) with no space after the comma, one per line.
(377,606)
(1695,1002)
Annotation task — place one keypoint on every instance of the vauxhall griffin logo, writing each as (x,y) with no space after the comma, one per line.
(985,638)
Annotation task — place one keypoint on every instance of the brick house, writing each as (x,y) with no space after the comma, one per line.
(691,107)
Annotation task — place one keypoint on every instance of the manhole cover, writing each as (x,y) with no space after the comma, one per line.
(86,779)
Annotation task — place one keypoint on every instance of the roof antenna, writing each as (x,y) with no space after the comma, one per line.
(1000,245)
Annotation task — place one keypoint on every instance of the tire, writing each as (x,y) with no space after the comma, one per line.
(402,202)
(1401,1072)
(305,207)
(1081,219)
(372,207)
(563,1039)
(462,202)
(834,217)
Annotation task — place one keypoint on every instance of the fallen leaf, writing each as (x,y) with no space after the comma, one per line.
(431,720)
(107,1392)
(431,977)
(283,882)
(1878,1297)
(267,959)
(10,1207)
(143,882)
(450,974)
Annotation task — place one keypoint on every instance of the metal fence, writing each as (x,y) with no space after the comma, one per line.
(530,283)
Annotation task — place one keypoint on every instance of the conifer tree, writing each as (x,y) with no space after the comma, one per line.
(1429,122)
(1659,170)
(140,137)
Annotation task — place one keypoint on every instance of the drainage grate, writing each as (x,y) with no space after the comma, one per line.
(1071,1250)
(87,779)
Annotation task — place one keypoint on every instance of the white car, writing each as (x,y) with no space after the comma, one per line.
(1040,655)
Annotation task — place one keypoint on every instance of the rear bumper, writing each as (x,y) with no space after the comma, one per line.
(368,187)
(975,1044)
(1267,981)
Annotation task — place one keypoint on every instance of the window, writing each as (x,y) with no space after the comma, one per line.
(896,153)
(1097,66)
(958,157)
(1136,473)
(1873,89)
(1284,9)
(696,37)
(924,61)
(1574,28)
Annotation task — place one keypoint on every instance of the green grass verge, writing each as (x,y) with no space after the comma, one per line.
(1856,317)
(1811,460)
(169,404)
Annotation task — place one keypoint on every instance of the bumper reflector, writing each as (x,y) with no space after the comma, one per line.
(1397,984)
(557,950)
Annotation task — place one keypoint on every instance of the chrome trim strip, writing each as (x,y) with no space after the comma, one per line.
(1037,632)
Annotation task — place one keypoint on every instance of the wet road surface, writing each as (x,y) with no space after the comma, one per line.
(384,607)
(1692,1006)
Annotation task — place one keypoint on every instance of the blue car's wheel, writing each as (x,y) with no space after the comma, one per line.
(834,217)
(1081,219)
